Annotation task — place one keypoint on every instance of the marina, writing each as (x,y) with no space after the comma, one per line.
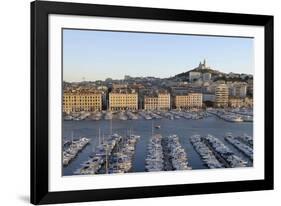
(113,155)
(246,139)
(223,153)
(228,116)
(148,120)
(155,155)
(100,155)
(247,150)
(121,159)
(205,152)
(148,153)
(175,154)
(72,148)
(246,115)
(138,114)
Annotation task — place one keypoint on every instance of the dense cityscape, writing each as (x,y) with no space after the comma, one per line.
(201,87)
(197,98)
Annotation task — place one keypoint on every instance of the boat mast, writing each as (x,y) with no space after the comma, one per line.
(106,161)
(111,126)
(152,128)
(99,135)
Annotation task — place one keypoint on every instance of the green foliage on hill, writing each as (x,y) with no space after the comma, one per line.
(232,79)
(186,74)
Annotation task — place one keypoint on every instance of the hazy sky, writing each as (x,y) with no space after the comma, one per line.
(97,55)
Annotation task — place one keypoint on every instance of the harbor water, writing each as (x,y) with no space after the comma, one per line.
(184,128)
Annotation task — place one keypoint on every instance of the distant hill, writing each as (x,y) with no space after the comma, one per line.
(207,70)
(216,75)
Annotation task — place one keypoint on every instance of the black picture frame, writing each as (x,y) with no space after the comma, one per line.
(40,112)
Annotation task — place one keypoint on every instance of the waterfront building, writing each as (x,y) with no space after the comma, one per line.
(222,94)
(160,101)
(235,102)
(123,100)
(190,100)
(81,101)
(248,102)
(164,101)
(150,102)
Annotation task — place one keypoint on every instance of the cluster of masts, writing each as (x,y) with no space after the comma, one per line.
(121,160)
(176,153)
(113,155)
(165,154)
(142,114)
(205,152)
(155,156)
(214,153)
(246,139)
(73,148)
(99,157)
(231,116)
(244,148)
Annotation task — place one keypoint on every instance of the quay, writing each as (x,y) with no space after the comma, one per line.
(166,154)
(246,139)
(174,155)
(155,155)
(75,146)
(120,161)
(99,156)
(209,157)
(114,155)
(136,114)
(245,149)
(223,153)
(227,116)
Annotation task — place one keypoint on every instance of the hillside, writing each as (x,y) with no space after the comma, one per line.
(206,70)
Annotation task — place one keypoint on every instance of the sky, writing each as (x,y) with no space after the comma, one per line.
(96,55)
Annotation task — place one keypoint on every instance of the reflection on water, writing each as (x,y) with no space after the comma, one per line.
(182,127)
